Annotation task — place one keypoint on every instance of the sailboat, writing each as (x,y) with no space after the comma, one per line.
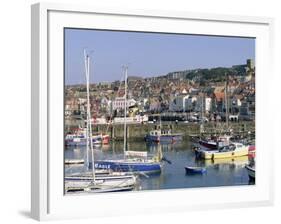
(97,181)
(133,161)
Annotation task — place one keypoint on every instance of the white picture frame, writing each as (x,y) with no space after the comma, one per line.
(48,201)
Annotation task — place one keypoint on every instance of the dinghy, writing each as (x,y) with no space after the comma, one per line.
(195,170)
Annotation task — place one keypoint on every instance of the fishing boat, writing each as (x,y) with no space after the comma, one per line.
(102,182)
(240,161)
(223,137)
(194,170)
(215,143)
(163,136)
(230,151)
(133,161)
(79,138)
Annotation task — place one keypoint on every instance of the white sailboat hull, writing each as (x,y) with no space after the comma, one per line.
(101,182)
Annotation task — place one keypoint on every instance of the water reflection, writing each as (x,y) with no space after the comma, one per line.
(222,172)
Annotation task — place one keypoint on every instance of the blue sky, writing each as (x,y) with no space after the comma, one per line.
(148,54)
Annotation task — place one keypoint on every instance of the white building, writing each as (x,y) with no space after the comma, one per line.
(181,103)
(203,104)
(208,104)
(119,103)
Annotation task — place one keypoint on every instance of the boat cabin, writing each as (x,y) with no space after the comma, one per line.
(160,132)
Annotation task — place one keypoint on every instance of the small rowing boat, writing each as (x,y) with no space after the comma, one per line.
(195,170)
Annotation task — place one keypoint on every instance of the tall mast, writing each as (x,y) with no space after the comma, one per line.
(89,124)
(160,121)
(226,101)
(202,113)
(202,107)
(125,109)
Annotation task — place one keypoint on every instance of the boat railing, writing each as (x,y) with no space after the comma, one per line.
(136,154)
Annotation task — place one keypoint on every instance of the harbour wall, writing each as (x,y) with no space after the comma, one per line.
(137,132)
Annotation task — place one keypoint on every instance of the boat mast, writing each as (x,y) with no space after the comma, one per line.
(89,124)
(160,121)
(125,109)
(226,102)
(202,114)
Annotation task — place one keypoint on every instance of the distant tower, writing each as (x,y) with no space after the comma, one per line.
(250,64)
(250,69)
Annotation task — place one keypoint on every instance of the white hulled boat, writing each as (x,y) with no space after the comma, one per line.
(102,182)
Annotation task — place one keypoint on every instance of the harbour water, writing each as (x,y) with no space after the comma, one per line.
(223,172)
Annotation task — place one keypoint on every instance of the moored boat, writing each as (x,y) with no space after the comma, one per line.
(133,161)
(104,182)
(251,171)
(79,138)
(240,161)
(115,181)
(73,161)
(215,143)
(231,151)
(163,136)
(130,165)
(195,170)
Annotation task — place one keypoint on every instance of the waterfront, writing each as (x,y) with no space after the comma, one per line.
(223,172)
(212,105)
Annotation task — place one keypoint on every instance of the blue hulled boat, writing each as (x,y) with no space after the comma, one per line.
(195,170)
(128,165)
(134,161)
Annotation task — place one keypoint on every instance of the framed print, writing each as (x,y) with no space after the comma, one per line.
(162,111)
